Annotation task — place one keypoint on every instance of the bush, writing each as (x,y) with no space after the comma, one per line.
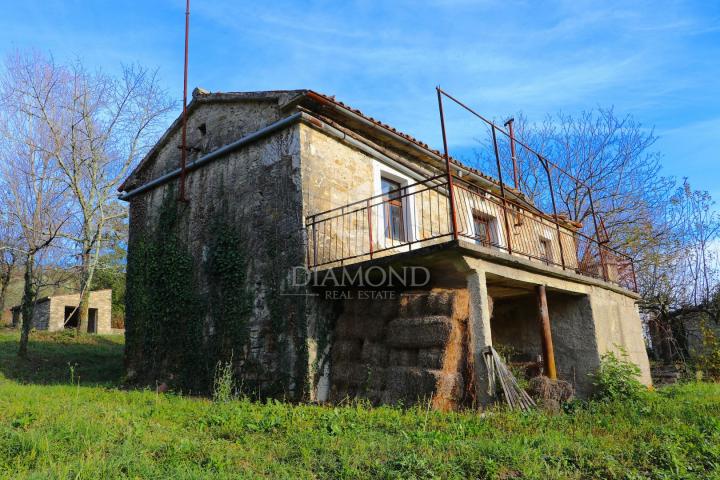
(709,360)
(224,383)
(617,378)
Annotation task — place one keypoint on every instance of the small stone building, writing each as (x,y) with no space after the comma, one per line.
(59,312)
(280,249)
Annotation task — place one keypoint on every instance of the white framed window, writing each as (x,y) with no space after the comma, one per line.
(546,250)
(485,229)
(393,212)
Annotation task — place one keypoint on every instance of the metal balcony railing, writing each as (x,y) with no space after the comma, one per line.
(419,215)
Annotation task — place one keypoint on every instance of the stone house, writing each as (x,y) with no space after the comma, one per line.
(58,312)
(287,184)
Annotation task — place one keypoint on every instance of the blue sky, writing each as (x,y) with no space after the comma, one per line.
(659,61)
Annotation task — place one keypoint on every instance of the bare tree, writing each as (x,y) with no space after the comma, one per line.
(9,252)
(698,226)
(99,128)
(678,272)
(668,229)
(32,191)
(611,156)
(113,121)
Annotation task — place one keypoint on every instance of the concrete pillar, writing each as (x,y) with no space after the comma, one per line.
(480,335)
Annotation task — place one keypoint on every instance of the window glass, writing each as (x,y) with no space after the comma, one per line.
(545,249)
(482,229)
(393,209)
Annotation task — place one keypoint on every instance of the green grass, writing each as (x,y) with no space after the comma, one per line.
(96,359)
(71,431)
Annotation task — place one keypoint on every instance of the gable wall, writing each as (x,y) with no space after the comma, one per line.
(255,191)
(225,122)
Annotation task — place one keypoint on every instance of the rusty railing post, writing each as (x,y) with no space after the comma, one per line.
(603,267)
(516,178)
(370,229)
(307,242)
(502,191)
(546,333)
(557,220)
(451,191)
(315,245)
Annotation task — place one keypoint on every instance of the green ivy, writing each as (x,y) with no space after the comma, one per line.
(177,332)
(230,300)
(166,330)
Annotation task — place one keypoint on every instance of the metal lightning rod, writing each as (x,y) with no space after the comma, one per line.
(183,148)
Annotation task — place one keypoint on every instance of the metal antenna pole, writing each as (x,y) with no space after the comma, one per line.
(183,147)
(516,179)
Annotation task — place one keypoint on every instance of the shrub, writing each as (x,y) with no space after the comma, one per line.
(617,378)
(224,383)
(709,360)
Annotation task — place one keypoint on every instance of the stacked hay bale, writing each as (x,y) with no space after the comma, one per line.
(402,351)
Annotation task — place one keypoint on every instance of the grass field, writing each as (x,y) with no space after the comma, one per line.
(52,428)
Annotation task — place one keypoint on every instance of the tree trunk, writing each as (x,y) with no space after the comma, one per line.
(4,283)
(83,307)
(28,305)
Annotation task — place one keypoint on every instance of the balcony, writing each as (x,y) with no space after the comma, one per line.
(420,215)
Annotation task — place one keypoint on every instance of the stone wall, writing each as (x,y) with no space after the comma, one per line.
(403,351)
(693,324)
(515,326)
(526,229)
(210,125)
(255,192)
(41,317)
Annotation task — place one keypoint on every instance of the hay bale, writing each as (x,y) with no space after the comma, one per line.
(435,302)
(403,358)
(374,353)
(410,385)
(419,332)
(550,392)
(431,357)
(346,351)
(359,327)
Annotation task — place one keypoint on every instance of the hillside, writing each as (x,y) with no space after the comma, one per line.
(15,289)
(80,424)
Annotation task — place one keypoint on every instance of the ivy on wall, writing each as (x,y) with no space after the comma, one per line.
(164,309)
(177,332)
(230,300)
